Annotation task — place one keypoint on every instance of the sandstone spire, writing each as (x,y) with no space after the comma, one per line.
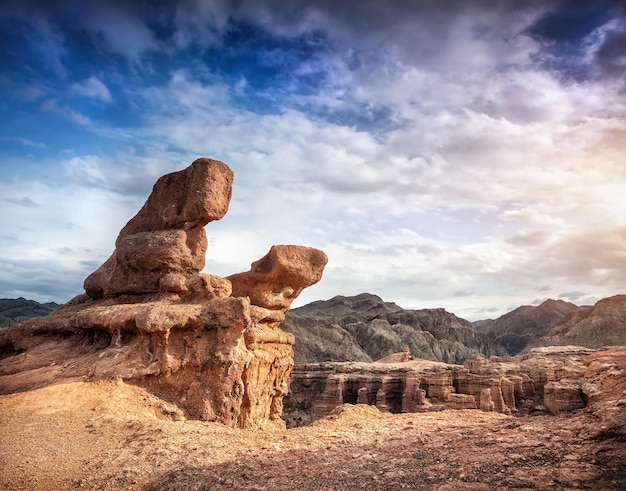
(209,345)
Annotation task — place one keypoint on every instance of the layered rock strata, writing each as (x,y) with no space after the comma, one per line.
(604,387)
(209,345)
(544,380)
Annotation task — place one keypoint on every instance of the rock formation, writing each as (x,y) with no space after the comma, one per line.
(516,329)
(604,386)
(209,345)
(604,324)
(163,247)
(546,379)
(364,328)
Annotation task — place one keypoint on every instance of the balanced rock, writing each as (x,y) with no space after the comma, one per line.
(209,345)
(163,247)
(276,279)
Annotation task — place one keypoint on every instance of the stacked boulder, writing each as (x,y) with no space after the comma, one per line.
(209,345)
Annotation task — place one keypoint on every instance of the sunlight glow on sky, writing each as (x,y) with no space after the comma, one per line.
(469,155)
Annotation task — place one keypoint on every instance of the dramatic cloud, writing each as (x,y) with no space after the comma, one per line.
(463,154)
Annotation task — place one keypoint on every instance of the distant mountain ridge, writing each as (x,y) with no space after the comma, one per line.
(604,324)
(16,310)
(365,328)
(515,330)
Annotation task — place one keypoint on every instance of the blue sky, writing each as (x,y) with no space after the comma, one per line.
(469,155)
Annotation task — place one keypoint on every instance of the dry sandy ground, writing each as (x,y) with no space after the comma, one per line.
(115,436)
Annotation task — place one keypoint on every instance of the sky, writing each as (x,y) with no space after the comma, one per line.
(466,154)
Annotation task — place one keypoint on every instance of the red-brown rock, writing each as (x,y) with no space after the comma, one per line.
(276,279)
(163,247)
(605,388)
(206,344)
(546,378)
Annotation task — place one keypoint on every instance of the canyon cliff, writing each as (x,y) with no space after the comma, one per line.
(210,347)
(553,380)
(365,328)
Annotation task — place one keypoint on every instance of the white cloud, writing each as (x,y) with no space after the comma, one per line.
(594,42)
(24,141)
(92,87)
(437,164)
(52,105)
(76,116)
(120,30)
(521,184)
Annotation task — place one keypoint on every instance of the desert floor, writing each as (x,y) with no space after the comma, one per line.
(111,435)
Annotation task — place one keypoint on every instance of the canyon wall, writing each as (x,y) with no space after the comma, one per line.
(546,380)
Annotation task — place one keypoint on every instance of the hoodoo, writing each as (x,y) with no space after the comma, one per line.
(209,345)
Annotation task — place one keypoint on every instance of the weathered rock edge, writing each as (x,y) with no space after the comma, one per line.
(554,380)
(209,345)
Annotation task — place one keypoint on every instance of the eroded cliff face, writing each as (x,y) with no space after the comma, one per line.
(544,380)
(209,345)
(605,388)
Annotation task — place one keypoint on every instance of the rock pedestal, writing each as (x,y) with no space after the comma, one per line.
(207,344)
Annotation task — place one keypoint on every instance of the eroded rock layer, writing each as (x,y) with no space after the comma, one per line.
(551,379)
(209,345)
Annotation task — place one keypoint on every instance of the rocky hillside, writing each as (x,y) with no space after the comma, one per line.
(365,328)
(516,329)
(15,310)
(604,324)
